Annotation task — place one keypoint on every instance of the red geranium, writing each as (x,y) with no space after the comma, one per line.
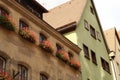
(63,55)
(46,45)
(75,64)
(28,34)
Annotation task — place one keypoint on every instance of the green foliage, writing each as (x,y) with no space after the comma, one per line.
(5,22)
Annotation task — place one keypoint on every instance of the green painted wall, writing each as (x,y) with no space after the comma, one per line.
(82,36)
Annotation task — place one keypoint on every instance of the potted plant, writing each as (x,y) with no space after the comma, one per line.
(28,34)
(6,22)
(62,54)
(46,45)
(75,64)
(5,76)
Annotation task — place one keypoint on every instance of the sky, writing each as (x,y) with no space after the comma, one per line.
(108,11)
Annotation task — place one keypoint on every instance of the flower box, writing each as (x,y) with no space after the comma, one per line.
(75,64)
(5,76)
(63,55)
(46,45)
(7,23)
(28,34)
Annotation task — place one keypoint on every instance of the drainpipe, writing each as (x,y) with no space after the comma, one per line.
(112,56)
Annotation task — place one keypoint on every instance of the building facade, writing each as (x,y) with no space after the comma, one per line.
(30,48)
(113,41)
(84,30)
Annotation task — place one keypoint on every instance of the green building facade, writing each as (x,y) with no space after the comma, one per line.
(88,35)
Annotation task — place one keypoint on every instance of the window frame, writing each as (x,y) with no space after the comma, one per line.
(86,51)
(20,69)
(93,56)
(58,47)
(86,25)
(105,65)
(43,76)
(98,36)
(92,32)
(118,67)
(70,55)
(92,10)
(42,37)
(23,24)
(4,63)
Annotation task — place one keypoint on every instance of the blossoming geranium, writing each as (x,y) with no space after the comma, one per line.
(6,21)
(63,55)
(28,34)
(46,45)
(5,75)
(75,64)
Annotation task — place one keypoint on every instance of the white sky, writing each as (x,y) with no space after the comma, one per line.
(108,11)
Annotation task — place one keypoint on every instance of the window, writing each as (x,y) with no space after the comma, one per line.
(98,36)
(22,24)
(43,77)
(118,67)
(70,55)
(91,9)
(2,64)
(92,32)
(86,25)
(88,79)
(23,72)
(105,65)
(93,55)
(42,37)
(86,51)
(58,47)
(3,12)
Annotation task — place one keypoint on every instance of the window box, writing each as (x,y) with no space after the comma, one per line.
(75,64)
(7,23)
(5,76)
(63,55)
(46,45)
(28,34)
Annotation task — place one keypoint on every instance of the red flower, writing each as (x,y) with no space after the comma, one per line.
(28,34)
(7,22)
(75,64)
(63,55)
(5,75)
(46,45)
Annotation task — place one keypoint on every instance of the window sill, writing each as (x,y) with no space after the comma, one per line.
(87,57)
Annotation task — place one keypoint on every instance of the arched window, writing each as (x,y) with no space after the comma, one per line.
(23,72)
(58,47)
(70,55)
(43,77)
(22,25)
(42,37)
(3,12)
(2,63)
